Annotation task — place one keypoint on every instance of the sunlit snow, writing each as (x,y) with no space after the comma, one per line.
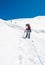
(15,50)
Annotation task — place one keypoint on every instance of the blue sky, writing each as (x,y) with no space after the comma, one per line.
(12,9)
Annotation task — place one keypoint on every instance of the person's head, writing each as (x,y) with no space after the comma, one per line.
(28,26)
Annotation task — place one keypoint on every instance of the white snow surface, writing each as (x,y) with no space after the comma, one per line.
(14,50)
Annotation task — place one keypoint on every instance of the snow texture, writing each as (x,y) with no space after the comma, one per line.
(15,50)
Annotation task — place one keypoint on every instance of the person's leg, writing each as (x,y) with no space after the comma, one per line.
(26,34)
(29,34)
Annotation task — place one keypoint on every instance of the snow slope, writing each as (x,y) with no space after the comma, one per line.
(14,50)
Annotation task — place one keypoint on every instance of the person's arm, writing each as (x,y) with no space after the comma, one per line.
(25,30)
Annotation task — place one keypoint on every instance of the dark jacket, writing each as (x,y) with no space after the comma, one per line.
(29,27)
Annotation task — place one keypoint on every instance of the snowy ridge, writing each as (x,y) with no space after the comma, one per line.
(14,50)
(37,23)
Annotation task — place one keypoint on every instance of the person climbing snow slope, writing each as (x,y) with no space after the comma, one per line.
(27,30)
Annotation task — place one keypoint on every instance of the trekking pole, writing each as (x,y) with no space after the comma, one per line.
(24,34)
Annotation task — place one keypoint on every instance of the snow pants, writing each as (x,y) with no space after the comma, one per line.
(28,33)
